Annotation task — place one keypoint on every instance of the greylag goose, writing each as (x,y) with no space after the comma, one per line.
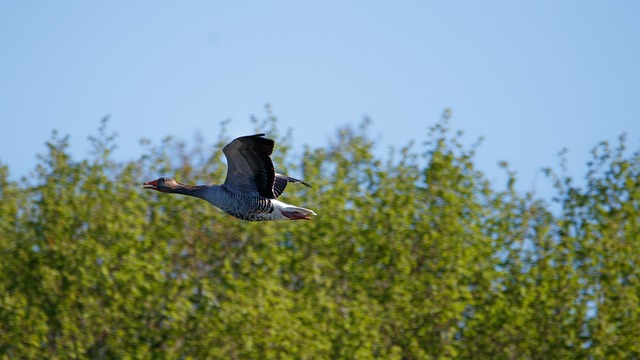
(250,190)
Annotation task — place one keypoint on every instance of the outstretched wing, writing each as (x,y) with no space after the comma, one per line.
(281,183)
(250,169)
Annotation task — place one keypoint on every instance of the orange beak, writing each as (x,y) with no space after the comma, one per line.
(151,185)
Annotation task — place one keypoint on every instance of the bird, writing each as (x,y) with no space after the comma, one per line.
(251,188)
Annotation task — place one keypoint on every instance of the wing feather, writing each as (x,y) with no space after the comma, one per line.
(250,169)
(281,183)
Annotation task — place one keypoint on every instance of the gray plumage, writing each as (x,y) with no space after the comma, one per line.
(251,187)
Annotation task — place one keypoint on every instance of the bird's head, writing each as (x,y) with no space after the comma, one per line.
(162,184)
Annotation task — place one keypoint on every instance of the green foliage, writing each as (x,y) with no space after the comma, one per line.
(411,256)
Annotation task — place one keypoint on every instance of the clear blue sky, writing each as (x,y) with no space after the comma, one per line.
(531,77)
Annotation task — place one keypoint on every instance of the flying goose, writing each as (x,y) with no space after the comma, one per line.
(250,190)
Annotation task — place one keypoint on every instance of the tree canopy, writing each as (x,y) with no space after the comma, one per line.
(413,255)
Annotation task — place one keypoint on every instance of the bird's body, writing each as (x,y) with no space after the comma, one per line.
(251,187)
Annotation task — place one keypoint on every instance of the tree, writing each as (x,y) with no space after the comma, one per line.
(412,256)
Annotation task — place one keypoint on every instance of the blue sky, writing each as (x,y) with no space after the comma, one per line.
(530,77)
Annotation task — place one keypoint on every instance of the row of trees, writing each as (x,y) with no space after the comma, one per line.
(414,255)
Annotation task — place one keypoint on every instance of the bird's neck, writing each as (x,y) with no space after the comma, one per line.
(191,190)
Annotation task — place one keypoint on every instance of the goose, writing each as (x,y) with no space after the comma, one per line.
(251,187)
